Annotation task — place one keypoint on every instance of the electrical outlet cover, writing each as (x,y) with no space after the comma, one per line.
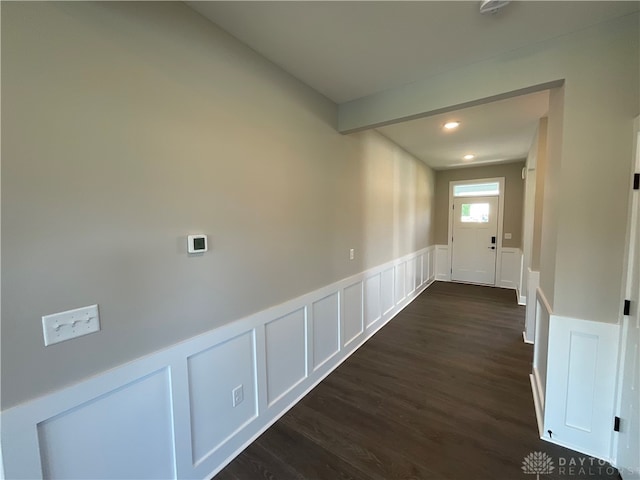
(238,395)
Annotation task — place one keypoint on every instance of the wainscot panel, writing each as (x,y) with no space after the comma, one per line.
(443,271)
(171,414)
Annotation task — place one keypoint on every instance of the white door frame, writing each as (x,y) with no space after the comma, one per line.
(452,184)
(629,255)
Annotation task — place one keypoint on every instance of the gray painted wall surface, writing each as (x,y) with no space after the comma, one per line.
(127,126)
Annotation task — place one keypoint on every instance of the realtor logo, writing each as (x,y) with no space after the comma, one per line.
(537,463)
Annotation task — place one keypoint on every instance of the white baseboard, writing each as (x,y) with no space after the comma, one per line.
(170,414)
(522,299)
(524,339)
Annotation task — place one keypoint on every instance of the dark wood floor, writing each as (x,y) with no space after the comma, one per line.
(441,392)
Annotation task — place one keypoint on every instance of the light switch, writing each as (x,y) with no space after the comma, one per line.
(507,236)
(62,326)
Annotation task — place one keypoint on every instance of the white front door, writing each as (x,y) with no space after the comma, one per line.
(629,441)
(475,230)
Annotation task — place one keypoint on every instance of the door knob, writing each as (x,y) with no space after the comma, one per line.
(492,248)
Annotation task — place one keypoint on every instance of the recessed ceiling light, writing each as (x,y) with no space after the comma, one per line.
(469,157)
(451,125)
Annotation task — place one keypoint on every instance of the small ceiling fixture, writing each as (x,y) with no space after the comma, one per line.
(492,6)
(451,125)
(469,157)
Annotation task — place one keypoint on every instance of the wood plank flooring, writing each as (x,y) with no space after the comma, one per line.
(441,392)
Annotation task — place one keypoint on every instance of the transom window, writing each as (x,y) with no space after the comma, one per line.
(477,190)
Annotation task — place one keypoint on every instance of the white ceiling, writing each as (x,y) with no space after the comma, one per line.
(350,49)
(495,132)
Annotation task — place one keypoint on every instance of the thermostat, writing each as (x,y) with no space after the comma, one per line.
(197,243)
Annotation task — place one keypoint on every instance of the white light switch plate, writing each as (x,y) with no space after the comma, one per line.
(62,326)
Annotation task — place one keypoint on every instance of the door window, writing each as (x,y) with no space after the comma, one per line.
(474,213)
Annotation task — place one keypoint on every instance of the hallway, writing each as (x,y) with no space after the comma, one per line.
(441,392)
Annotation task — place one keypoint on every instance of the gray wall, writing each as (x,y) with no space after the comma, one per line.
(513,198)
(126,127)
(541,168)
(551,195)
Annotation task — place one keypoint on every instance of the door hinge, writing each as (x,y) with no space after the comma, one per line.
(616,424)
(627,307)
(636,181)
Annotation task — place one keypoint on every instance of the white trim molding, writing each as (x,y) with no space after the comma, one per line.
(171,414)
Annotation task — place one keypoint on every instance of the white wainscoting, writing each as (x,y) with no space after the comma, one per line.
(170,414)
(443,269)
(573,380)
(126,419)
(581,380)
(509,274)
(541,343)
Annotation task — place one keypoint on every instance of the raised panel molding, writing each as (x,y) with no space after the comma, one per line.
(509,274)
(400,277)
(580,385)
(372,300)
(442,269)
(387,290)
(325,320)
(352,315)
(581,377)
(286,367)
(211,382)
(431,264)
(170,414)
(410,282)
(83,440)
